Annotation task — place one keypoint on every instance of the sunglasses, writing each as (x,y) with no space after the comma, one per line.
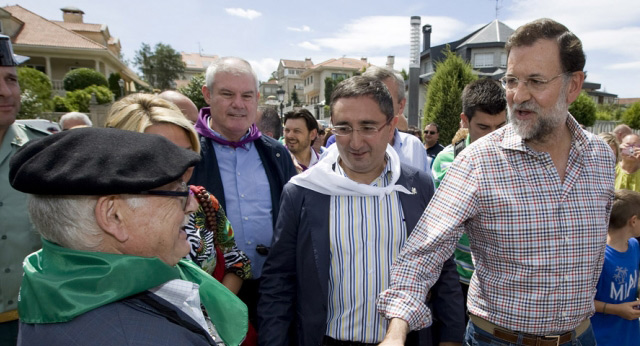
(430,132)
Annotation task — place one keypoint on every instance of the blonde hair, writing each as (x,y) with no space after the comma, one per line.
(611,139)
(137,112)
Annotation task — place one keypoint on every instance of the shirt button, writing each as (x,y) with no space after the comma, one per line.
(564,314)
(242,196)
(249,243)
(246,218)
(277,154)
(566,278)
(238,173)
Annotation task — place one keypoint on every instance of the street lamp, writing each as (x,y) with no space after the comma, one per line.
(280,93)
(121,84)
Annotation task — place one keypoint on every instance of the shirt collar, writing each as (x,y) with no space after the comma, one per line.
(380,181)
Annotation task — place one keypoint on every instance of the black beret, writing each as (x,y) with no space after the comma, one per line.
(97,161)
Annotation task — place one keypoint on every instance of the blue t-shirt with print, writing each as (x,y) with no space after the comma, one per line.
(618,283)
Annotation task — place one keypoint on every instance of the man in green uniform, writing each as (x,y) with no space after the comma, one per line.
(484,107)
(18,238)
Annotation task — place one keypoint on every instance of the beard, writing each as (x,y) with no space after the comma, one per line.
(545,122)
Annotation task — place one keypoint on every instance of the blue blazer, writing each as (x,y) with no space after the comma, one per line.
(294,287)
(276,161)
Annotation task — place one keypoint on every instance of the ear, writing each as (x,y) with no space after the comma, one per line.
(206,94)
(401,106)
(633,220)
(464,121)
(313,135)
(575,86)
(109,217)
(392,127)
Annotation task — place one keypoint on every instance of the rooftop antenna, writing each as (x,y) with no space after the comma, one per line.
(199,48)
(497,8)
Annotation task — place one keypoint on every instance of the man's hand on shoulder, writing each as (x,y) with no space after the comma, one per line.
(396,333)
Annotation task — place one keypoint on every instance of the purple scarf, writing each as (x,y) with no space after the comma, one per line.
(202,127)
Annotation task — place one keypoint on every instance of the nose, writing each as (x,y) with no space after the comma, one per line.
(520,94)
(356,139)
(192,204)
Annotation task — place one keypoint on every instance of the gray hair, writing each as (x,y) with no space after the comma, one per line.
(358,86)
(75,116)
(69,221)
(229,64)
(383,73)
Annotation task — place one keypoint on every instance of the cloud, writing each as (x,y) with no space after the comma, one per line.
(308,45)
(242,13)
(635,65)
(264,67)
(304,28)
(380,33)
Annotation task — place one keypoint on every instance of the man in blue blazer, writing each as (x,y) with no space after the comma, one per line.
(341,226)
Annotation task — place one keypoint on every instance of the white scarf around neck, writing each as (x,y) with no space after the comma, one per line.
(323,179)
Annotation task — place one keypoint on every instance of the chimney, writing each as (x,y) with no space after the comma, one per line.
(426,37)
(72,15)
(363,59)
(390,61)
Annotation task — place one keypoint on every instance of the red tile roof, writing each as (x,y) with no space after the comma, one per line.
(347,63)
(79,26)
(197,60)
(297,63)
(38,31)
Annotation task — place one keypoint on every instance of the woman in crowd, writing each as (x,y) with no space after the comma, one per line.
(209,232)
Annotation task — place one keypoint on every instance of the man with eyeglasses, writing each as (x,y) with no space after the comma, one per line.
(111,269)
(431,144)
(534,198)
(341,225)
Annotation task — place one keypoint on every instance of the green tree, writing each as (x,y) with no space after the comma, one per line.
(444,105)
(35,95)
(160,66)
(404,74)
(329,85)
(79,100)
(295,99)
(113,84)
(584,109)
(82,78)
(193,90)
(631,116)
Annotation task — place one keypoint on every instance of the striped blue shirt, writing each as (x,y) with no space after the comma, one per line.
(366,235)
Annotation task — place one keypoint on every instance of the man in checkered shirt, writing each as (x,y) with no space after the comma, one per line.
(534,198)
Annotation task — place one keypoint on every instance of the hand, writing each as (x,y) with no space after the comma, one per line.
(396,333)
(625,310)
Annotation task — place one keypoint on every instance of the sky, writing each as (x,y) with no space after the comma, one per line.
(263,32)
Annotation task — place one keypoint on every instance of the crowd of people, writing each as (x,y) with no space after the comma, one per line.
(226,225)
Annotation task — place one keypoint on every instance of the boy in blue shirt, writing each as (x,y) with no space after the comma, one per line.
(617,308)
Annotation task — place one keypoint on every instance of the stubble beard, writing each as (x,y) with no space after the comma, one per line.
(545,122)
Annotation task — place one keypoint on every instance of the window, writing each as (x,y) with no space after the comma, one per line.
(336,76)
(1,28)
(503,60)
(483,60)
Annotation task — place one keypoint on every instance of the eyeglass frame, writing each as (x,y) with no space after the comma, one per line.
(430,132)
(334,129)
(168,193)
(542,83)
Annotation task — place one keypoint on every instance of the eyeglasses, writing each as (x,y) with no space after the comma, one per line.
(510,83)
(429,132)
(365,131)
(184,192)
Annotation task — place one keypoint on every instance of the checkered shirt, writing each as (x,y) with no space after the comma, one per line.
(538,242)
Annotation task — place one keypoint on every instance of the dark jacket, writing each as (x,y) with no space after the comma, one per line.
(296,273)
(275,158)
(143,319)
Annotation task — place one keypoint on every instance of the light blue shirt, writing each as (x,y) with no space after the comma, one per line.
(411,151)
(248,199)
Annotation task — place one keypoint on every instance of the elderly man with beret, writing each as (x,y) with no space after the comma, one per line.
(110,271)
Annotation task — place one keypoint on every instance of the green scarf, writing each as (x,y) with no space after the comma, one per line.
(60,284)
